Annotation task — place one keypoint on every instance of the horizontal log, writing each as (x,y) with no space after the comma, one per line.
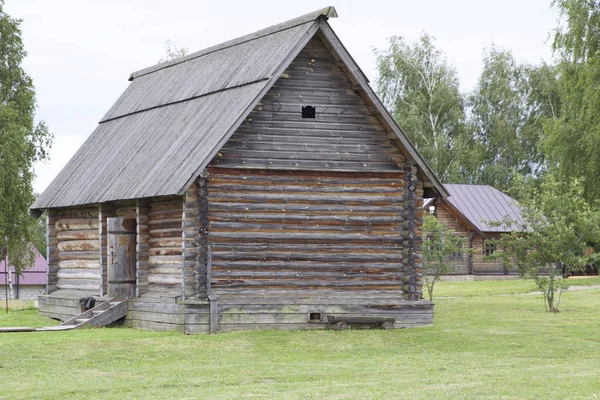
(273,255)
(229,287)
(317,226)
(239,206)
(74,224)
(317,247)
(165,251)
(339,137)
(173,269)
(163,279)
(79,264)
(164,214)
(274,187)
(305,236)
(162,260)
(171,205)
(166,233)
(246,153)
(329,277)
(79,274)
(72,284)
(126,212)
(345,166)
(79,245)
(162,242)
(78,255)
(87,234)
(149,316)
(88,212)
(165,223)
(338,198)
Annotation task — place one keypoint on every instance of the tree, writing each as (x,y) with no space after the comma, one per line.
(507,111)
(39,235)
(22,142)
(439,245)
(573,140)
(555,236)
(172,52)
(421,90)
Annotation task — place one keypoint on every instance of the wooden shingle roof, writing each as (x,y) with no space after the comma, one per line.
(174,117)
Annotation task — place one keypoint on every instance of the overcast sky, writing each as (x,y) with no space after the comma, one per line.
(81,52)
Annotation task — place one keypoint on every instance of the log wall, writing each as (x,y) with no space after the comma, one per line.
(142,247)
(191,238)
(78,245)
(284,230)
(343,136)
(165,275)
(51,251)
(483,265)
(105,211)
(461,265)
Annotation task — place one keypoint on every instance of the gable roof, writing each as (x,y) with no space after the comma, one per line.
(482,204)
(174,117)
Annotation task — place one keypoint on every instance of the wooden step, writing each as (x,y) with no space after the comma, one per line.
(81,320)
(96,312)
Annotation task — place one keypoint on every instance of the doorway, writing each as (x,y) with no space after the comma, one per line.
(121,252)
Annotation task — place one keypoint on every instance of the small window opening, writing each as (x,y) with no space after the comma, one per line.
(458,253)
(314,317)
(490,248)
(309,112)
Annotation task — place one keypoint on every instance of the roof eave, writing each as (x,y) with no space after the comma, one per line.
(357,75)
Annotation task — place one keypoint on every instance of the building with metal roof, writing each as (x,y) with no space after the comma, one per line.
(27,286)
(478,213)
(263,170)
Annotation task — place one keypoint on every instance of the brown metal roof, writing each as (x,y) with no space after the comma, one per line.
(482,204)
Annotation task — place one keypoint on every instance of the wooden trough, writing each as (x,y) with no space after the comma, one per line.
(339,323)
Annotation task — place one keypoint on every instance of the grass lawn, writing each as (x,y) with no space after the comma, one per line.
(482,346)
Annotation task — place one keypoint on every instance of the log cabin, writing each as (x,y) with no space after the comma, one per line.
(473,212)
(259,183)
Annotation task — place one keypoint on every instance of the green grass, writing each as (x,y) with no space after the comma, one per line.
(22,313)
(497,347)
(487,288)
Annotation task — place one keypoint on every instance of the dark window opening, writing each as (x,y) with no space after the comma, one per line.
(458,253)
(314,317)
(490,248)
(309,112)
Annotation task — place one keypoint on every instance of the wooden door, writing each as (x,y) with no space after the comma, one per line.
(121,257)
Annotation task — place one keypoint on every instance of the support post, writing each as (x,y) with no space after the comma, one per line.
(203,254)
(142,247)
(51,251)
(411,291)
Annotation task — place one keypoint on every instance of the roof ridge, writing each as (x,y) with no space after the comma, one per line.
(327,12)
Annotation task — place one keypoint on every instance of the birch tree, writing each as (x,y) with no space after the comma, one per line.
(421,90)
(22,142)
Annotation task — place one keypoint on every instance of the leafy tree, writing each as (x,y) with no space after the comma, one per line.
(555,235)
(507,111)
(39,235)
(573,140)
(439,245)
(172,52)
(421,90)
(22,142)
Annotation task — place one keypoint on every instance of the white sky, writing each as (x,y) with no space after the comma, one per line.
(81,52)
